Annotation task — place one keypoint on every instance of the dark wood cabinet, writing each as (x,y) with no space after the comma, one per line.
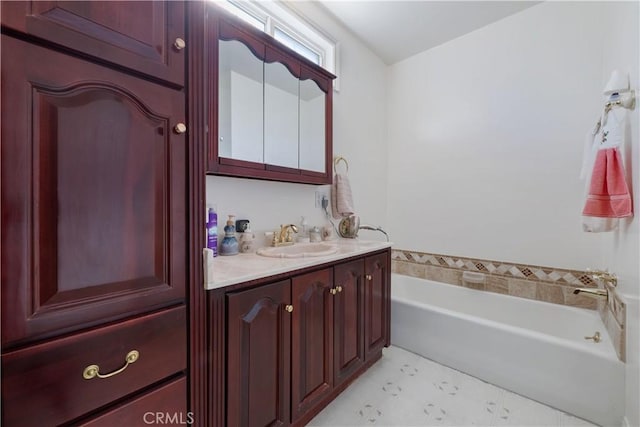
(258,356)
(50,376)
(292,346)
(94,191)
(311,340)
(377,304)
(169,401)
(348,319)
(141,36)
(93,211)
(222,26)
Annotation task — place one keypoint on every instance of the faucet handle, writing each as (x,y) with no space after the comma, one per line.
(604,275)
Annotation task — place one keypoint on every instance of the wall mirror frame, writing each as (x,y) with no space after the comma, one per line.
(313,83)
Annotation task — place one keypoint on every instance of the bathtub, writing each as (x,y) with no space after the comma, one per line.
(533,348)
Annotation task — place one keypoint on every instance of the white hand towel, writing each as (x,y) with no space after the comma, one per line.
(341,197)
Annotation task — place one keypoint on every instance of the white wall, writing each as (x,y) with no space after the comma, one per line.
(485,144)
(359,134)
(486,135)
(621,249)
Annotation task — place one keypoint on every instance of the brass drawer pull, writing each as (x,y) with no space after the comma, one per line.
(289,308)
(93,371)
(369,277)
(339,288)
(332,291)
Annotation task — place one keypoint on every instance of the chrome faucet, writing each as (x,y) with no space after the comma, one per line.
(593,293)
(284,237)
(372,228)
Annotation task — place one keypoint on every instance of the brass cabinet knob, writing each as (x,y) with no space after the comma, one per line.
(339,288)
(180,128)
(179,44)
(332,291)
(369,277)
(289,308)
(93,371)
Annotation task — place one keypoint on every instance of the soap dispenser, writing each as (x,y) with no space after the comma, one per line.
(229,243)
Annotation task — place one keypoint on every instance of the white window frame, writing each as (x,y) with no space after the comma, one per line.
(277,15)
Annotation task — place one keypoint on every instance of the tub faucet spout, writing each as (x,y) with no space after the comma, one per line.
(593,293)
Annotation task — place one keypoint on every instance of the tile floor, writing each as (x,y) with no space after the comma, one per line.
(404,389)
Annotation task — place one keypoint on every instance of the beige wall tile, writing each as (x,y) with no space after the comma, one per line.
(497,284)
(522,288)
(452,276)
(434,273)
(550,293)
(617,335)
(581,300)
(408,268)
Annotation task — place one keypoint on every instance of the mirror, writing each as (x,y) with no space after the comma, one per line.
(280,116)
(312,126)
(240,103)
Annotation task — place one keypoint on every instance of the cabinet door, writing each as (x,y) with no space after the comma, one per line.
(93,194)
(377,296)
(140,35)
(348,315)
(258,356)
(311,340)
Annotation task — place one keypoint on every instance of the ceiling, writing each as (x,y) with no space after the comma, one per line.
(396,30)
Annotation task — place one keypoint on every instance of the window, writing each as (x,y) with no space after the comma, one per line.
(288,28)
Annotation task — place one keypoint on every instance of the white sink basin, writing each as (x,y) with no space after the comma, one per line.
(300,250)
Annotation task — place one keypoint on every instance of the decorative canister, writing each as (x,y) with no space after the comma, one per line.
(229,243)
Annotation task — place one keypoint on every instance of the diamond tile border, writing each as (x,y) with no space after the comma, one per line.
(549,284)
(498,268)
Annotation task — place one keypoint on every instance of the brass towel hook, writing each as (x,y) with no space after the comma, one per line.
(337,160)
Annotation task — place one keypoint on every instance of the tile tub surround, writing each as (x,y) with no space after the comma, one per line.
(613,313)
(549,284)
(554,285)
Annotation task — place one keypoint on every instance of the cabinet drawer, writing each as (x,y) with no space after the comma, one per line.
(166,405)
(49,376)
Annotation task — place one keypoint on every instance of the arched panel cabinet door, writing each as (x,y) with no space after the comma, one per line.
(259,356)
(145,36)
(93,204)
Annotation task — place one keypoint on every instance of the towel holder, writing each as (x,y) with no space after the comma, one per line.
(337,160)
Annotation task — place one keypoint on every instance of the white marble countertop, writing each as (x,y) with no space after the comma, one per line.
(230,270)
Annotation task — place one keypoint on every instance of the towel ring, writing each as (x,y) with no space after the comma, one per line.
(337,160)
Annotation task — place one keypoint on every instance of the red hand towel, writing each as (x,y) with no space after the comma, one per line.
(608,193)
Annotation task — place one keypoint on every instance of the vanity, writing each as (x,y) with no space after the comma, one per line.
(290,329)
(292,333)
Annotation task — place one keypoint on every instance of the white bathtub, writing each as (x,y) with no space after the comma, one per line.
(532,348)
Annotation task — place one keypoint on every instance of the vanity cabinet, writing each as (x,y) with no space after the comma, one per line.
(293,345)
(270,109)
(349,315)
(311,340)
(259,356)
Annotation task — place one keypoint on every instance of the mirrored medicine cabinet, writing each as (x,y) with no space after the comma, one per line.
(270,109)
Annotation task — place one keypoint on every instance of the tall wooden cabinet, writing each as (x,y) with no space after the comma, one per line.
(94,212)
